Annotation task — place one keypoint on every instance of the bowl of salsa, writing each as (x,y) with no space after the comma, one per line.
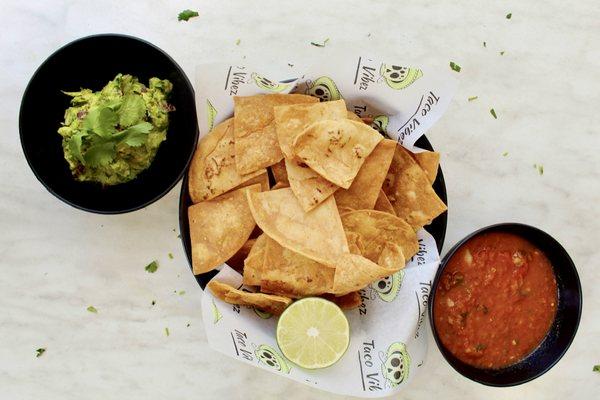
(506,303)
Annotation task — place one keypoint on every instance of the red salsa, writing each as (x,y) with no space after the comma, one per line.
(495,301)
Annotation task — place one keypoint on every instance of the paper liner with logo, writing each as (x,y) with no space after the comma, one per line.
(388,339)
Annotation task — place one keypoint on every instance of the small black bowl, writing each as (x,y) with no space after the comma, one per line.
(437,228)
(563,329)
(91,62)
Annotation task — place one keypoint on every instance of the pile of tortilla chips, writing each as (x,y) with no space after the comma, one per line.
(343,211)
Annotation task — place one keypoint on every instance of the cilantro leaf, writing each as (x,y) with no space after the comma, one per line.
(132,110)
(502,52)
(181,292)
(473,98)
(98,154)
(135,135)
(102,121)
(596,368)
(454,66)
(238,41)
(39,352)
(505,154)
(484,44)
(152,267)
(493,112)
(185,15)
(171,256)
(167,331)
(75,145)
(153,302)
(320,44)
(92,309)
(509,16)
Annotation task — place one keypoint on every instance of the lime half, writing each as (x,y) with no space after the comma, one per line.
(313,333)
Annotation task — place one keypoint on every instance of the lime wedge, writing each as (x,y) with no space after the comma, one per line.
(313,333)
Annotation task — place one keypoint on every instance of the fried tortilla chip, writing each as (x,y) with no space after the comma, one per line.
(254,262)
(237,260)
(280,185)
(219,228)
(363,193)
(354,117)
(310,188)
(212,170)
(429,161)
(336,149)
(353,272)
(262,179)
(290,274)
(265,302)
(256,144)
(410,192)
(375,229)
(292,120)
(279,172)
(346,302)
(317,234)
(383,204)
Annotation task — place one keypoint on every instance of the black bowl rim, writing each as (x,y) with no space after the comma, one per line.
(441,268)
(202,279)
(47,186)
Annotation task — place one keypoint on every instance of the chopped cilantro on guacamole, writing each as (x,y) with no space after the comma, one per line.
(112,135)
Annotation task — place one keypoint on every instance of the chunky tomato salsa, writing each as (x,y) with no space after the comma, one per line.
(495,301)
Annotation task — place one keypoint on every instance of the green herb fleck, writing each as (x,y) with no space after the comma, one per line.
(188,325)
(320,44)
(181,292)
(502,52)
(179,236)
(171,256)
(509,16)
(290,65)
(484,44)
(493,112)
(596,368)
(167,331)
(238,41)
(540,168)
(152,267)
(92,309)
(480,347)
(473,98)
(153,302)
(505,154)
(185,15)
(40,351)
(454,66)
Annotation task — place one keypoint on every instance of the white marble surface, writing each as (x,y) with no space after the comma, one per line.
(55,261)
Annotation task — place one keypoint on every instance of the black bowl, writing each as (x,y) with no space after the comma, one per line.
(563,329)
(437,228)
(91,62)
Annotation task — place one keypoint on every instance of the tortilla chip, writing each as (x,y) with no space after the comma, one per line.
(212,170)
(262,179)
(391,256)
(219,228)
(280,185)
(348,301)
(265,302)
(317,234)
(292,120)
(353,272)
(256,144)
(429,161)
(310,188)
(344,210)
(363,193)
(279,172)
(254,262)
(383,204)
(410,192)
(336,149)
(354,117)
(376,229)
(290,274)
(237,260)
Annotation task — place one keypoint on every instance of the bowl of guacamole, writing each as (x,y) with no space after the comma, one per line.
(108,123)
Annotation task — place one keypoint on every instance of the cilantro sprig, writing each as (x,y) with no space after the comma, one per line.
(185,15)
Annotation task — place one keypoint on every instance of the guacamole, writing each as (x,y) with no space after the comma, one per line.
(112,135)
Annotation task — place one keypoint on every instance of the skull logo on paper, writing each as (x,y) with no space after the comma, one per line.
(398,77)
(324,88)
(380,124)
(387,288)
(211,113)
(271,358)
(395,364)
(267,84)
